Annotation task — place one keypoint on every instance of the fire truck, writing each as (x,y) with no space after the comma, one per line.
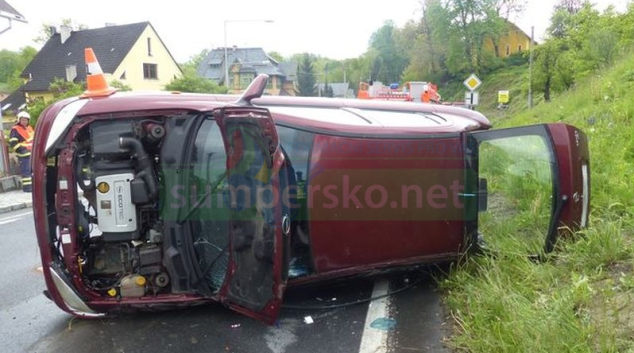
(413,91)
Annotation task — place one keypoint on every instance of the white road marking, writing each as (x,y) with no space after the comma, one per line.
(14,218)
(375,340)
(19,215)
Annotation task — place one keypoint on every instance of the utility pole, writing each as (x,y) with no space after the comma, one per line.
(530,70)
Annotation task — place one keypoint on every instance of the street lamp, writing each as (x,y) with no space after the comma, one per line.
(226,54)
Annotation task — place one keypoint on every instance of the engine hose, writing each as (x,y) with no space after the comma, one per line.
(145,165)
(79,171)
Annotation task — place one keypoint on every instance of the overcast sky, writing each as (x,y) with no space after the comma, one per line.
(337,29)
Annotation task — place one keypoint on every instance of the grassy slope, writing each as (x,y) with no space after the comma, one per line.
(581,301)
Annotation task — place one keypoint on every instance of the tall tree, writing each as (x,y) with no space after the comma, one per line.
(390,60)
(462,27)
(306,77)
(547,64)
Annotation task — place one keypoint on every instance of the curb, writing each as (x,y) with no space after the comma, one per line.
(17,206)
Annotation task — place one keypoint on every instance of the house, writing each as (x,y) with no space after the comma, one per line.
(10,106)
(514,41)
(244,65)
(8,12)
(133,54)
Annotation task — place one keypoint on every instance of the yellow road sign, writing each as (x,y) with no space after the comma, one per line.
(503,97)
(472,82)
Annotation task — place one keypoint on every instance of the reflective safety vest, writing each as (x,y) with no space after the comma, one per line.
(21,140)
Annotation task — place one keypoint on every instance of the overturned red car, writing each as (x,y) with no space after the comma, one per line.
(158,200)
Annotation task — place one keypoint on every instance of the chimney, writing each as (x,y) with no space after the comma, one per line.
(64,32)
(52,30)
(71,73)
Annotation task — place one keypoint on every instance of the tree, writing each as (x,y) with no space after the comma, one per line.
(195,60)
(454,33)
(546,64)
(45,30)
(570,6)
(425,43)
(194,84)
(12,64)
(390,60)
(276,56)
(306,77)
(120,86)
(61,89)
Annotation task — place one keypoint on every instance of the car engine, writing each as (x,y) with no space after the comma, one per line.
(120,232)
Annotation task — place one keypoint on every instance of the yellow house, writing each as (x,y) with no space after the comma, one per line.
(132,54)
(514,41)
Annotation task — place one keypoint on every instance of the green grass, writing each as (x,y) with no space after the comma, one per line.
(582,298)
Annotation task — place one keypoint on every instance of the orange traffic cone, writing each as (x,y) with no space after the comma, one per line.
(96,83)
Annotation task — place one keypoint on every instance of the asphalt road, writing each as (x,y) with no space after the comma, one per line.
(409,321)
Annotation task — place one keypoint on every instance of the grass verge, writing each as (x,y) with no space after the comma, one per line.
(580,300)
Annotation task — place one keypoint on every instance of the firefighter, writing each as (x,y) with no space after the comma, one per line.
(21,142)
(426,96)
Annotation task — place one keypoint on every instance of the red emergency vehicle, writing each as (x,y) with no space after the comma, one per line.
(414,91)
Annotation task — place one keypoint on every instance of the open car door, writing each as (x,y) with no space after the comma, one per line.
(528,184)
(255,277)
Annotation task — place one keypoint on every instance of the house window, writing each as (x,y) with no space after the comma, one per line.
(149,71)
(122,77)
(508,50)
(519,48)
(149,46)
(245,80)
(269,82)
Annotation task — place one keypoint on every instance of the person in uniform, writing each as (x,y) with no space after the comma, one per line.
(21,142)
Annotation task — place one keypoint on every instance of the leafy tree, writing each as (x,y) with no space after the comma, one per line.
(45,30)
(276,56)
(120,86)
(194,84)
(9,64)
(357,70)
(551,68)
(306,77)
(426,44)
(390,59)
(61,89)
(195,61)
(12,64)
(570,6)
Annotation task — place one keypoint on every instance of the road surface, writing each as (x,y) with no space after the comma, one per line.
(408,321)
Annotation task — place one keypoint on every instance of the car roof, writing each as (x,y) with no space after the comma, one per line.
(310,113)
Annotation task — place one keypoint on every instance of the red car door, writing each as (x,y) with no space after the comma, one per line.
(527,185)
(255,279)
